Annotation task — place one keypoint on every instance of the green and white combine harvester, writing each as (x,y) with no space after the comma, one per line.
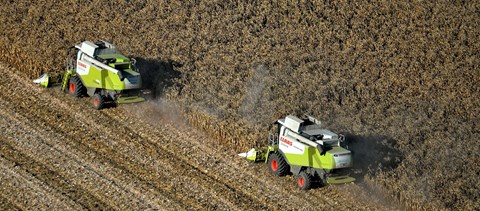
(100,71)
(301,147)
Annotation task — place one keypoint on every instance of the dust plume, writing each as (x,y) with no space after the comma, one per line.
(258,96)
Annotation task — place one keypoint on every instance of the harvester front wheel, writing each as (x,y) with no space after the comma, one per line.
(304,181)
(277,164)
(75,87)
(98,101)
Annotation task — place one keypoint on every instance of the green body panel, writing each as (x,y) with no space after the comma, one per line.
(313,158)
(98,78)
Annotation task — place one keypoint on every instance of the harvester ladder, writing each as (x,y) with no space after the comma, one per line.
(66,79)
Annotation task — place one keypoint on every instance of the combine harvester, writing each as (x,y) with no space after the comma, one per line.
(303,148)
(100,71)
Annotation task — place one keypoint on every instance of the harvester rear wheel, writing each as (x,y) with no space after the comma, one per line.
(304,181)
(98,101)
(277,164)
(75,87)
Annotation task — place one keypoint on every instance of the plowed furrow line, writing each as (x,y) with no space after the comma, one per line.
(132,142)
(162,141)
(26,191)
(80,174)
(144,192)
(50,178)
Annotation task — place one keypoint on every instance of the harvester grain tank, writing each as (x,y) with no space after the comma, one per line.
(303,148)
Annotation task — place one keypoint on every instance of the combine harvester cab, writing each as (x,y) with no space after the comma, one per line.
(303,148)
(100,71)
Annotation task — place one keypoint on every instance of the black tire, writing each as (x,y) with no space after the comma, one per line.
(304,181)
(277,164)
(76,87)
(98,101)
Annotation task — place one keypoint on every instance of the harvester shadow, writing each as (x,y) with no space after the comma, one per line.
(372,154)
(157,75)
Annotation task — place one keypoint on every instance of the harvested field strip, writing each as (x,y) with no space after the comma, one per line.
(150,163)
(128,146)
(71,139)
(123,151)
(26,191)
(81,175)
(50,178)
(106,167)
(160,139)
(122,157)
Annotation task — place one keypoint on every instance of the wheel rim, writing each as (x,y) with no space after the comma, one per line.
(301,182)
(274,165)
(72,88)
(95,102)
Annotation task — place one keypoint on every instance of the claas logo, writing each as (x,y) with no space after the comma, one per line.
(84,66)
(284,140)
